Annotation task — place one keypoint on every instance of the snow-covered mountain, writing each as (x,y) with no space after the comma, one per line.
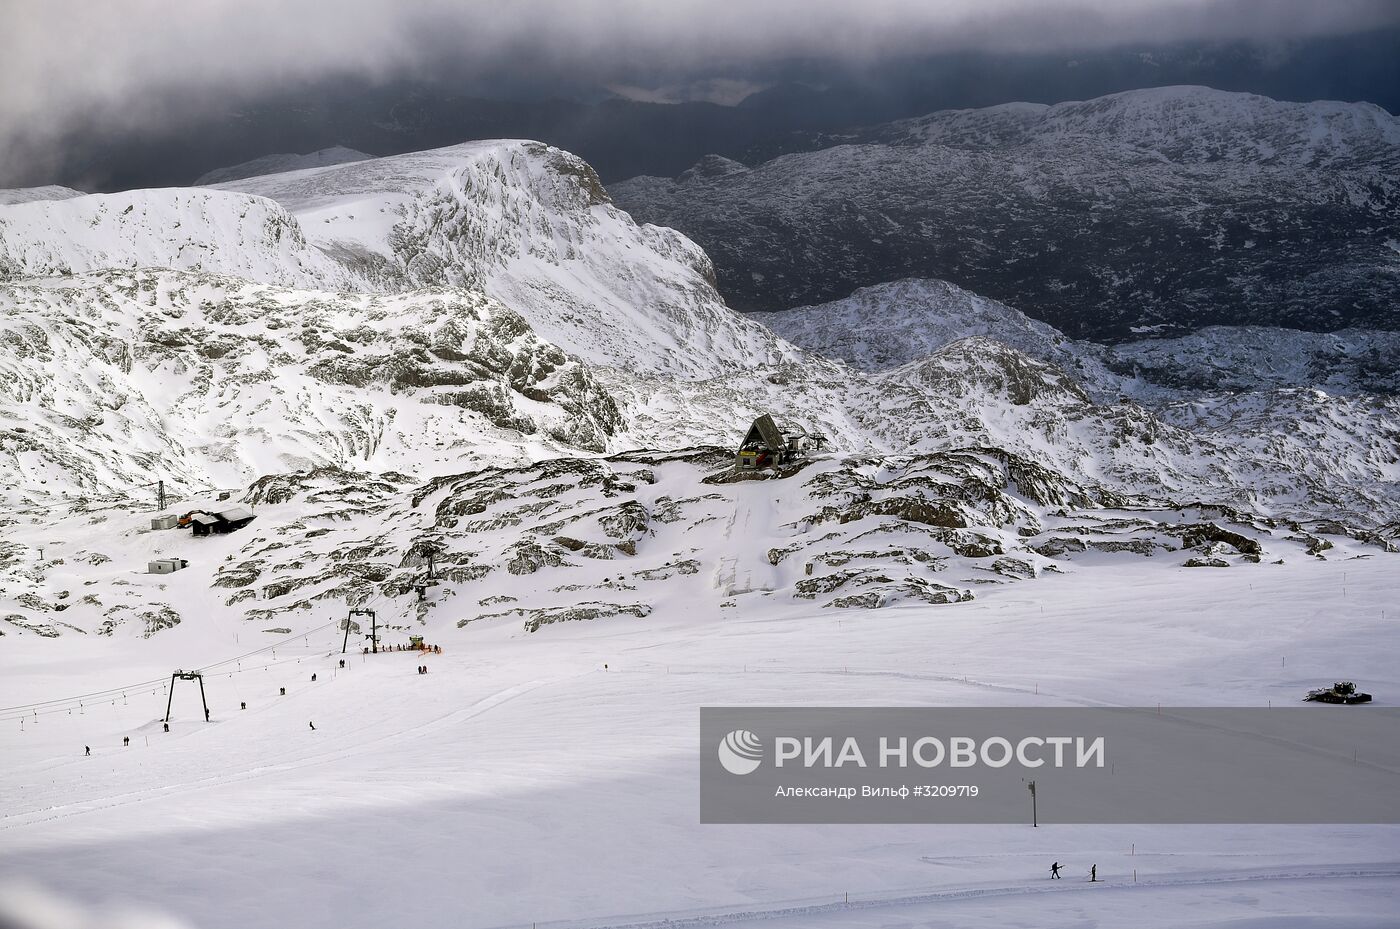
(435,350)
(887,325)
(276,164)
(1176,208)
(532,226)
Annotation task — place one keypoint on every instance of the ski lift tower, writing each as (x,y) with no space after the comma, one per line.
(160,492)
(186,676)
(374,630)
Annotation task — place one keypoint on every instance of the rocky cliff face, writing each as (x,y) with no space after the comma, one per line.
(533,227)
(114,379)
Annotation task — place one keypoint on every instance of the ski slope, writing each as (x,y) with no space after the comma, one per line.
(550,778)
(743,567)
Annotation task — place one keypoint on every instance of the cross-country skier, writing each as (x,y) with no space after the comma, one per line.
(1055,871)
(1093,873)
(87,750)
(312,725)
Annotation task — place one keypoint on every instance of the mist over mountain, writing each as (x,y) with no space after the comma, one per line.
(618,128)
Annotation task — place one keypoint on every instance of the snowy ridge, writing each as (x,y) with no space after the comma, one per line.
(184,229)
(277,164)
(887,325)
(30,194)
(1185,124)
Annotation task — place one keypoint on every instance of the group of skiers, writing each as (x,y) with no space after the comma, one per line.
(1057,867)
(422,669)
(425,649)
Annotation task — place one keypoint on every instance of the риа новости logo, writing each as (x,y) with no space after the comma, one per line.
(740,752)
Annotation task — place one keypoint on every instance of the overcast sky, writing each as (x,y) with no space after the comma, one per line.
(104,64)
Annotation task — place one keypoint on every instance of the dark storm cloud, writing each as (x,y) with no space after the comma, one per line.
(69,65)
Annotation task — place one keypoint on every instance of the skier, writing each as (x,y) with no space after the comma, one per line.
(1093,873)
(126,741)
(87,750)
(1055,871)
(342,662)
(312,725)
(167,726)
(313,678)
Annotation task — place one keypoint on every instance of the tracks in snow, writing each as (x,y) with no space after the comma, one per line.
(801,911)
(62,811)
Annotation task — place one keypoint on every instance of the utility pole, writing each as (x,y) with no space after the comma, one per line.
(1035,820)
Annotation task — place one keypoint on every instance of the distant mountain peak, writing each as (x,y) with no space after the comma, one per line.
(712,166)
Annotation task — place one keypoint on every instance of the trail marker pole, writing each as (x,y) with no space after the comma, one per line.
(1035,818)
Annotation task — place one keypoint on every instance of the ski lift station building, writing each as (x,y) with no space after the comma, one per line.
(219,522)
